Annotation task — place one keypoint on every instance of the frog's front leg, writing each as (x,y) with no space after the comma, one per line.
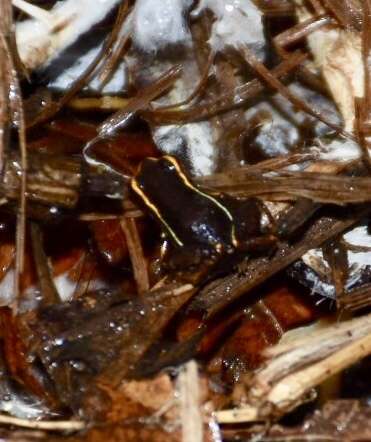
(188,263)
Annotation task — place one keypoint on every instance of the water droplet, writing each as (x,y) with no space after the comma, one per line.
(58,342)
(78,365)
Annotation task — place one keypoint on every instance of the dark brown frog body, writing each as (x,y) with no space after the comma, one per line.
(203,228)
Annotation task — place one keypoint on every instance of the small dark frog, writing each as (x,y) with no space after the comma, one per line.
(202,226)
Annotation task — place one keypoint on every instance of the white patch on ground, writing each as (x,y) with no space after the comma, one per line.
(37,41)
(115,85)
(276,135)
(31,296)
(279,133)
(20,405)
(359,237)
(338,150)
(239,22)
(316,273)
(358,261)
(66,288)
(7,288)
(319,286)
(314,100)
(193,141)
(158,24)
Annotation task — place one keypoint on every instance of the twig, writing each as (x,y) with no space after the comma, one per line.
(355,299)
(42,425)
(347,329)
(289,391)
(298,367)
(272,81)
(238,415)
(37,13)
(190,410)
(137,257)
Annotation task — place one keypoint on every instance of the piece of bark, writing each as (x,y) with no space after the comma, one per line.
(100,337)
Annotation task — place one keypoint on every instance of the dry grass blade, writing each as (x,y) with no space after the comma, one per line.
(78,84)
(272,164)
(199,89)
(272,81)
(137,257)
(337,54)
(300,31)
(295,34)
(347,12)
(238,174)
(141,101)
(224,103)
(116,51)
(123,117)
(335,331)
(319,187)
(17,114)
(49,292)
(241,175)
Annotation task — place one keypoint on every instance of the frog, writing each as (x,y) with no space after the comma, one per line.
(202,229)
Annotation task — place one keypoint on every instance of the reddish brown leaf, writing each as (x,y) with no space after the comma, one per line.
(15,354)
(124,152)
(110,240)
(7,253)
(265,323)
(139,398)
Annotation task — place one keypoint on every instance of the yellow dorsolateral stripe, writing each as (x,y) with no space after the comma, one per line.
(187,183)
